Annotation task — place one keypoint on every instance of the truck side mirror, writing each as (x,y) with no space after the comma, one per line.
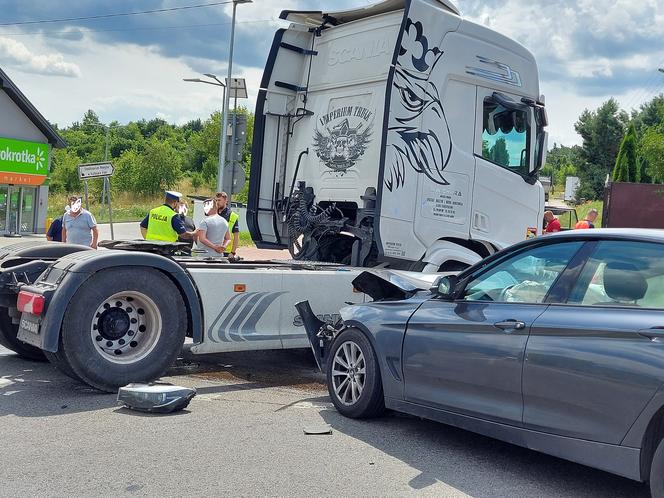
(445,287)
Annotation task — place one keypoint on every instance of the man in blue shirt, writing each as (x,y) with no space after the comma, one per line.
(54,232)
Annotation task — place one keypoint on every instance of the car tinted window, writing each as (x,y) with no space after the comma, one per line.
(523,278)
(622,273)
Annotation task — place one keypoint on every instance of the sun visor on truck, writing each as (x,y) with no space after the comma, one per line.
(315,18)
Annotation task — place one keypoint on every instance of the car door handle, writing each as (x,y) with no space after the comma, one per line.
(655,334)
(510,325)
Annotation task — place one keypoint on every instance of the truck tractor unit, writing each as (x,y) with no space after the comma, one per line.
(396,133)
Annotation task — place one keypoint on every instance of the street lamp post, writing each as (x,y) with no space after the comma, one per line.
(226,97)
(224,128)
(222,142)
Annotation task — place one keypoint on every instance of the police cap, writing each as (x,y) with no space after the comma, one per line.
(172,195)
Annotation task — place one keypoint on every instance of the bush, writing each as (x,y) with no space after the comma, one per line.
(197,180)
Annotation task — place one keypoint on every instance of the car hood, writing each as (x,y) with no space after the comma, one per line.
(394,285)
(398,293)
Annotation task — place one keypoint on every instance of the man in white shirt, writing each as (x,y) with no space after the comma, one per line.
(78,225)
(212,233)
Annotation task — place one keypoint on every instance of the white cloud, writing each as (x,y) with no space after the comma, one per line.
(124,81)
(127,82)
(16,54)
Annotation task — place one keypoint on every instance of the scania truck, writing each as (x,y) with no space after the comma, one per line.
(398,134)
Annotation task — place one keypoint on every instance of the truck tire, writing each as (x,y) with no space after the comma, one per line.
(353,376)
(9,339)
(123,325)
(60,362)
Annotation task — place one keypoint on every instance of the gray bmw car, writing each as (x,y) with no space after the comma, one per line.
(555,344)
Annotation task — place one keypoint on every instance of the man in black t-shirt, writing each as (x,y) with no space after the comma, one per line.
(231,217)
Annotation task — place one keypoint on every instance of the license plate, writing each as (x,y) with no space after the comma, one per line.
(28,330)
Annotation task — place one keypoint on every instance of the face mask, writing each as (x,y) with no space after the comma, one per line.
(67,209)
(208,206)
(76,206)
(182,209)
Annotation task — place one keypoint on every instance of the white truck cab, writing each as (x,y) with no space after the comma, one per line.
(398,132)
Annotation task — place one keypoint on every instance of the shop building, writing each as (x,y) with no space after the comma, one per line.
(26,142)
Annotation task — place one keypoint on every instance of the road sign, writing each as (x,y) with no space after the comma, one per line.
(95,170)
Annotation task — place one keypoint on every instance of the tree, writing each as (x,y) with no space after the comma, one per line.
(499,153)
(652,149)
(160,168)
(202,153)
(126,167)
(627,167)
(562,162)
(64,171)
(602,131)
(649,114)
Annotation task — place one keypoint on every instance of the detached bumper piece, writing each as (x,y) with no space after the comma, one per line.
(155,398)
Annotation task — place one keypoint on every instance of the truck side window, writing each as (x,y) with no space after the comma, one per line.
(506,137)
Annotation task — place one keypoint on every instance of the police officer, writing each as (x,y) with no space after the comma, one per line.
(161,223)
(231,217)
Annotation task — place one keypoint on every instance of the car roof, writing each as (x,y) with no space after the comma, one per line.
(641,234)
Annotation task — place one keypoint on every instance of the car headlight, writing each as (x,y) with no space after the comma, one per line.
(155,398)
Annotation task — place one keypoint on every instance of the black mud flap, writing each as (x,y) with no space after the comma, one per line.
(313,325)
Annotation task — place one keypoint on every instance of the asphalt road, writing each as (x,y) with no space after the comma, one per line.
(243,436)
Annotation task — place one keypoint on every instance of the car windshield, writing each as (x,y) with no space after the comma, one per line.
(526,277)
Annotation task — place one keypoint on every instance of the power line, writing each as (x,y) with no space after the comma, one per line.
(81,30)
(120,14)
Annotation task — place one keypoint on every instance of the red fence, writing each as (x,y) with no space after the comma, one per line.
(633,205)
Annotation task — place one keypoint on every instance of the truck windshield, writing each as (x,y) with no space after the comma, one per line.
(506,136)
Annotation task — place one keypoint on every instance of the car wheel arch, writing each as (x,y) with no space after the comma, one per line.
(652,436)
(396,375)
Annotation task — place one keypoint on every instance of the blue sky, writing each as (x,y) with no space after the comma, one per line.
(131,67)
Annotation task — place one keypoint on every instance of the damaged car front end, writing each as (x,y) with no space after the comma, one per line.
(402,290)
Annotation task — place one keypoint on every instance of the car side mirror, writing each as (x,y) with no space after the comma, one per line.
(445,287)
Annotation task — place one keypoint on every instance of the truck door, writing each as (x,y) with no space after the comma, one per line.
(278,101)
(507,204)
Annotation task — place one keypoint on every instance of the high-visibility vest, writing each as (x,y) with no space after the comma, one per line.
(159,224)
(232,220)
(582,224)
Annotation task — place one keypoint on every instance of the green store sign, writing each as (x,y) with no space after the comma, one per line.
(23,157)
(23,162)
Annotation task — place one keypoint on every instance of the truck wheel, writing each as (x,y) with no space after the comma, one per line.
(61,363)
(123,326)
(657,472)
(353,376)
(9,339)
